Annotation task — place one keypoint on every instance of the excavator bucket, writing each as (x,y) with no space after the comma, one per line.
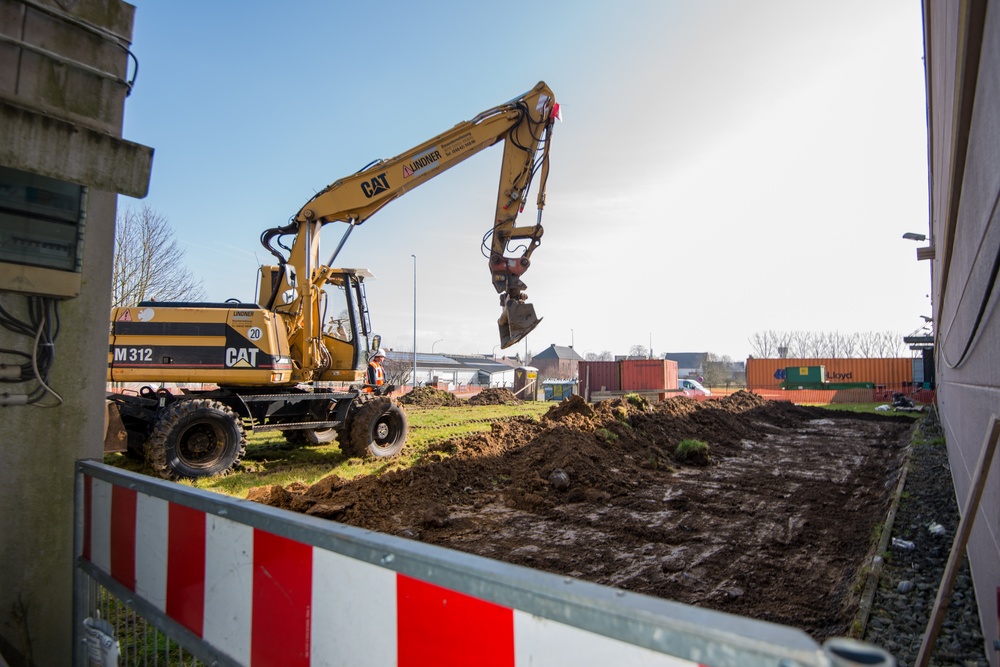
(516,322)
(115,435)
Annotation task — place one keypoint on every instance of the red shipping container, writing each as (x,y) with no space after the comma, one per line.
(599,376)
(649,374)
(670,368)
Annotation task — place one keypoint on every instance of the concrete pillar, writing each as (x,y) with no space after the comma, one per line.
(62,91)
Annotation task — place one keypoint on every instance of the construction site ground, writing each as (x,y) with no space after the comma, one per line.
(778,522)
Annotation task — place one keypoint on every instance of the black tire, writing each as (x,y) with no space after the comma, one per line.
(295,437)
(378,429)
(196,438)
(321,436)
(135,450)
(300,437)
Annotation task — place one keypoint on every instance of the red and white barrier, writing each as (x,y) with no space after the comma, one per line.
(263,599)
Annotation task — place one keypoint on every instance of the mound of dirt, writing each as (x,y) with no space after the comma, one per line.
(742,400)
(574,405)
(428,397)
(495,396)
(777,526)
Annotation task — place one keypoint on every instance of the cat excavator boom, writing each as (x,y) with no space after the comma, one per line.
(524,125)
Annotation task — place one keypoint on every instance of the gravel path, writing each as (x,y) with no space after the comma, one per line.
(910,576)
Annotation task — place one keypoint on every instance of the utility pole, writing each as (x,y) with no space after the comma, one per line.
(414,322)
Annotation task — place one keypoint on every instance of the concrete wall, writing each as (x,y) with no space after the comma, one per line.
(962,41)
(60,116)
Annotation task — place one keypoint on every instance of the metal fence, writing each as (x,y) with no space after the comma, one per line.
(172,575)
(113,632)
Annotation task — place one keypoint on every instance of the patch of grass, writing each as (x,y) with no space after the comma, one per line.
(877,531)
(638,400)
(271,460)
(693,451)
(606,435)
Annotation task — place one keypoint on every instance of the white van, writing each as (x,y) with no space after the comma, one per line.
(692,386)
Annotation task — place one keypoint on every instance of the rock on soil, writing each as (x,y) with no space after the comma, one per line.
(779,526)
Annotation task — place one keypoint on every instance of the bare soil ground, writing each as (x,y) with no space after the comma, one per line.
(777,525)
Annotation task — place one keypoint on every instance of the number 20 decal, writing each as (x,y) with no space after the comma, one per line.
(254,333)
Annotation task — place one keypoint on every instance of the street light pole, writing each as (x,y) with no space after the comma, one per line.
(414,321)
(440,340)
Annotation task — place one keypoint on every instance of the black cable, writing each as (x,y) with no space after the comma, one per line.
(12,323)
(41,328)
(991,284)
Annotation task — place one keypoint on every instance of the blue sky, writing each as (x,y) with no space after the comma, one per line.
(722,168)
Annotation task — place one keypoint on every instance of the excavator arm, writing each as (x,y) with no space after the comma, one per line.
(524,124)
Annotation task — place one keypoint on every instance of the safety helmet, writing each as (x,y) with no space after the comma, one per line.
(378,353)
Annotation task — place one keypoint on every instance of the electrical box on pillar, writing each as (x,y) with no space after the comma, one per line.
(42,224)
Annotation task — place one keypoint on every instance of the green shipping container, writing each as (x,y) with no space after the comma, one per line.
(804,375)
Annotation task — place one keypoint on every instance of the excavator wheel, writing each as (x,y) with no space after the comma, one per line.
(378,429)
(196,438)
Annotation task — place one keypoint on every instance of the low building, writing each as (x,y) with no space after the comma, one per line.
(557,361)
(452,370)
(689,364)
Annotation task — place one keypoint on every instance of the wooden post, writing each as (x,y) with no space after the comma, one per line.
(959,544)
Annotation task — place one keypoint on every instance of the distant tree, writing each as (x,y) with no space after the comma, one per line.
(868,344)
(769,344)
(815,345)
(398,371)
(848,345)
(890,344)
(604,355)
(148,263)
(825,344)
(638,352)
(797,344)
(717,370)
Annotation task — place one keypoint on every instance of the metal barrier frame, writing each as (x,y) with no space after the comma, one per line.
(637,628)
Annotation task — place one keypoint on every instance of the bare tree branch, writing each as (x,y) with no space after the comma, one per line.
(148,263)
(826,345)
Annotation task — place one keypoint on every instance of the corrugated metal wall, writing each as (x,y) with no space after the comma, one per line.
(599,376)
(627,375)
(766,373)
(646,374)
(963,88)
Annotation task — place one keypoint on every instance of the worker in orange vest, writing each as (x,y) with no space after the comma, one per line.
(376,373)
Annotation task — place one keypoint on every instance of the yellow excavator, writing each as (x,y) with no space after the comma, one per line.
(295,360)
